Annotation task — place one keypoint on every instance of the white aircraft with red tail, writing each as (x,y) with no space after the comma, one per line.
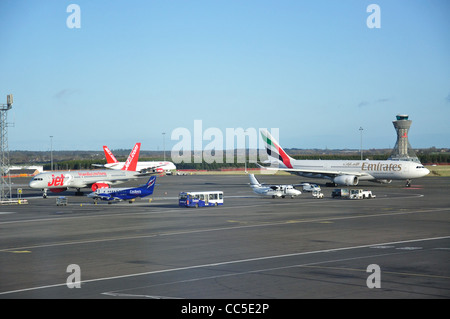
(342,172)
(143,167)
(59,181)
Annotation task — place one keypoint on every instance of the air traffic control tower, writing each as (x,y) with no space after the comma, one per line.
(402,150)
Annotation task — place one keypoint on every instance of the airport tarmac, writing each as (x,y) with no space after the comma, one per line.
(250,248)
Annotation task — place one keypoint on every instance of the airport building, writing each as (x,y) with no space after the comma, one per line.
(402,150)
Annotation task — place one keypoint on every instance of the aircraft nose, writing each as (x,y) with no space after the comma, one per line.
(426,171)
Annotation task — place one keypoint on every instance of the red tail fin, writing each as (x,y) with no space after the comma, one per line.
(109,155)
(131,163)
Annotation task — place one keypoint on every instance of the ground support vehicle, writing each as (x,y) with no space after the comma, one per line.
(200,199)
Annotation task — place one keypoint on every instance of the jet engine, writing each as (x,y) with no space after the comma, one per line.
(99,185)
(346,180)
(58,190)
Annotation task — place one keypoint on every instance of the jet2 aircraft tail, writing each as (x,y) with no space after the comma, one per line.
(275,151)
(131,163)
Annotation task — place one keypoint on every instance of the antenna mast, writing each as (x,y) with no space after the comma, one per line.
(5,183)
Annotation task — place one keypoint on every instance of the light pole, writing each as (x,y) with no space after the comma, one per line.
(361,130)
(51,152)
(164,145)
(245,151)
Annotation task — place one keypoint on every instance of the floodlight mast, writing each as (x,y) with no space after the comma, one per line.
(5,178)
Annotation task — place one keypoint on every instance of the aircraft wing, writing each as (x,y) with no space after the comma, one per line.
(100,196)
(313,171)
(104,197)
(147,173)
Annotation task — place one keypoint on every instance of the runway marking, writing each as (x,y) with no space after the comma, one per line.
(384,272)
(118,294)
(237,262)
(197,231)
(175,210)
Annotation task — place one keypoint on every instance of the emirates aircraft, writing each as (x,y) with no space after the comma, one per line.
(113,163)
(59,181)
(342,172)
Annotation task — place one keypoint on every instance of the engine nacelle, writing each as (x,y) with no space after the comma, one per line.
(348,180)
(58,190)
(99,185)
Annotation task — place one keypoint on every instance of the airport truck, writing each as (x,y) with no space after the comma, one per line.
(352,194)
(360,194)
(317,194)
(307,187)
(340,193)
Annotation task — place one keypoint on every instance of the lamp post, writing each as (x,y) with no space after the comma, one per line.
(361,130)
(51,152)
(245,151)
(164,145)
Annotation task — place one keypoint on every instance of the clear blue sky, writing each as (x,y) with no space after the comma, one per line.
(312,69)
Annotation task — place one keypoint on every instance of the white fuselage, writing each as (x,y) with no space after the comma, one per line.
(364,170)
(80,179)
(272,190)
(276,191)
(142,166)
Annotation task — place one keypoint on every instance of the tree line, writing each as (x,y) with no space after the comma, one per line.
(431,158)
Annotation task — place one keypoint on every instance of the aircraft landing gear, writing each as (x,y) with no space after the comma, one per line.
(408,183)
